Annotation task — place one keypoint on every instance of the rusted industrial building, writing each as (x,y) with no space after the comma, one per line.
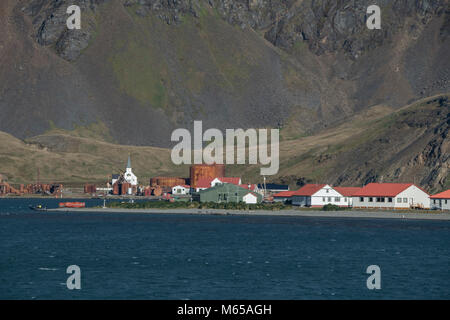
(201,171)
(49,189)
(169,182)
(90,188)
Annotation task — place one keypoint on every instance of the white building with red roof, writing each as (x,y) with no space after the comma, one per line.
(181,189)
(347,194)
(441,200)
(391,196)
(317,195)
(250,198)
(283,196)
(205,183)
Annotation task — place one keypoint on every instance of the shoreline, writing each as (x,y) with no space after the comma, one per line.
(285,213)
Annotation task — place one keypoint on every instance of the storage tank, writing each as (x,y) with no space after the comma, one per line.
(167,181)
(124,188)
(116,189)
(199,171)
(157,191)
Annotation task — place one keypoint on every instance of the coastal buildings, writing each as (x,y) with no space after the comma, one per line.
(391,196)
(251,198)
(441,201)
(205,171)
(283,196)
(129,176)
(227,192)
(347,194)
(205,183)
(316,195)
(125,183)
(273,187)
(181,189)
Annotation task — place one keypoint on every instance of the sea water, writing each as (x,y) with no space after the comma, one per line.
(174,256)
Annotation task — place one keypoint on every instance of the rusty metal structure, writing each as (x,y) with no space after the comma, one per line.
(166,181)
(49,189)
(200,171)
(6,188)
(90,188)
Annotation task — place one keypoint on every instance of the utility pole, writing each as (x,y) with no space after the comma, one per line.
(265,187)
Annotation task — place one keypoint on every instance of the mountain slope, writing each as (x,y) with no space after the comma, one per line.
(379,144)
(143,68)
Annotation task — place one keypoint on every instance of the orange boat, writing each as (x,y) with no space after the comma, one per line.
(72,204)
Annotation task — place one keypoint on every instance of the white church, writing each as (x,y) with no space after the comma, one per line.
(128,175)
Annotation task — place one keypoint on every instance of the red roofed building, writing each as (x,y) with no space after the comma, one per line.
(347,193)
(233,180)
(441,200)
(251,187)
(283,196)
(317,195)
(205,183)
(391,196)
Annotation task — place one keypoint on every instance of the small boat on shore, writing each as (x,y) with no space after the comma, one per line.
(39,207)
(72,204)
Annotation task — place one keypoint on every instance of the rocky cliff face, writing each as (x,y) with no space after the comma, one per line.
(142,68)
(325,26)
(413,146)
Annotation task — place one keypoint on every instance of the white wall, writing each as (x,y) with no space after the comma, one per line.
(130,177)
(413,196)
(442,204)
(326,195)
(179,190)
(250,198)
(374,203)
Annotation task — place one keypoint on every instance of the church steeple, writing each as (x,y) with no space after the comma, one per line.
(129,162)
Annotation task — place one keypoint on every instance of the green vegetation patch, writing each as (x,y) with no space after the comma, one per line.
(141,71)
(197,205)
(333,207)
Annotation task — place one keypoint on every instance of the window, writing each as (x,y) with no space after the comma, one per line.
(345,199)
(380,199)
(399,200)
(329,199)
(405,200)
(323,199)
(328,190)
(361,199)
(434,201)
(389,199)
(445,201)
(370,199)
(337,199)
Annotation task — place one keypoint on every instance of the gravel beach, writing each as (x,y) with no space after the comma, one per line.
(439,215)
